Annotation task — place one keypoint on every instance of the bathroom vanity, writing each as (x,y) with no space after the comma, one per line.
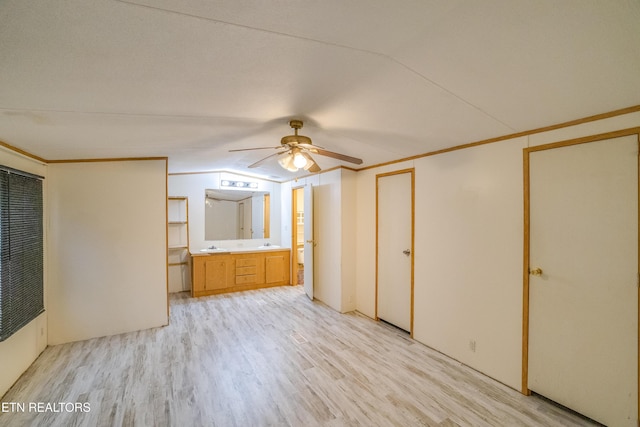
(220,271)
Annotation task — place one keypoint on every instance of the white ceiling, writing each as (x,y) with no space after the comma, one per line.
(375,79)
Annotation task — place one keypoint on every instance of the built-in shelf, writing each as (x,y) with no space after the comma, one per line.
(173,264)
(178,247)
(178,259)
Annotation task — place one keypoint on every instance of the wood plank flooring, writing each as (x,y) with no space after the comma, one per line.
(267,357)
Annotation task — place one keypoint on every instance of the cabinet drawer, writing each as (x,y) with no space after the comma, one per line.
(243,280)
(243,271)
(246,262)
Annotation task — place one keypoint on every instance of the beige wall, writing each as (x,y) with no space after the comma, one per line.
(107,248)
(468,256)
(468,248)
(348,216)
(21,349)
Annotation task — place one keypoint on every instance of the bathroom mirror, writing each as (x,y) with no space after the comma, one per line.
(236,214)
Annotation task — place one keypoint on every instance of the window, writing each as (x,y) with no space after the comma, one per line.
(21,253)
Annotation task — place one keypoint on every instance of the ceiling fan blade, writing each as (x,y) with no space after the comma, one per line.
(309,146)
(311,166)
(259,162)
(314,168)
(338,156)
(257,148)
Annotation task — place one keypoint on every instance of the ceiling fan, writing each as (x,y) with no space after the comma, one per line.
(296,149)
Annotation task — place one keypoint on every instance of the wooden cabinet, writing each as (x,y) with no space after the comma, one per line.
(217,271)
(275,268)
(232,272)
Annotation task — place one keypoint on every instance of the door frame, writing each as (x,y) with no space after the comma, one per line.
(527,218)
(410,171)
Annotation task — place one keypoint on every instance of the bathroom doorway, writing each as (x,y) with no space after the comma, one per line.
(297,236)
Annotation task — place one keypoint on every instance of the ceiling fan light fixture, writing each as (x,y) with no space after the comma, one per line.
(299,160)
(287,162)
(295,152)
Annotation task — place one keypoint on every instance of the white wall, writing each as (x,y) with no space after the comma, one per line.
(107,248)
(468,247)
(193,186)
(468,256)
(349,237)
(285,213)
(327,233)
(19,351)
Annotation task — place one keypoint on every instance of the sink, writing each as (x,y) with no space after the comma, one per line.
(269,247)
(212,251)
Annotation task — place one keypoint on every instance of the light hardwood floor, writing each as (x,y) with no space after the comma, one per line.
(268,357)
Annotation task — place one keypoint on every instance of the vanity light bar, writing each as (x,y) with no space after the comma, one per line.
(238,184)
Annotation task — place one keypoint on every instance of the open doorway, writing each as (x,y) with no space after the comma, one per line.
(297,236)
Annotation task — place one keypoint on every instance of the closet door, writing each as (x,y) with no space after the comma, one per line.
(583,283)
(394,248)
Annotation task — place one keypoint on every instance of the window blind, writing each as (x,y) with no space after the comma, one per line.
(21,250)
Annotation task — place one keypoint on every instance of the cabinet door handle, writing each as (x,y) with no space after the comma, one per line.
(407,252)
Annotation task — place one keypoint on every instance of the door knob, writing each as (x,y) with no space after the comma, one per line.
(407,252)
(535,271)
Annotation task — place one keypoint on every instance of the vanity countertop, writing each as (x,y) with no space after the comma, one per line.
(239,251)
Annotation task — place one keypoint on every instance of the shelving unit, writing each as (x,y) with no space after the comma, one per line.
(178,244)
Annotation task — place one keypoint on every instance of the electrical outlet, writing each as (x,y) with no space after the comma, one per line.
(472,345)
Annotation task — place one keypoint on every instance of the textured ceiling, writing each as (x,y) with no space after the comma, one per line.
(375,79)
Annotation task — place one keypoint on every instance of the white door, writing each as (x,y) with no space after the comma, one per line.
(240,233)
(583,302)
(309,241)
(257,217)
(395,231)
